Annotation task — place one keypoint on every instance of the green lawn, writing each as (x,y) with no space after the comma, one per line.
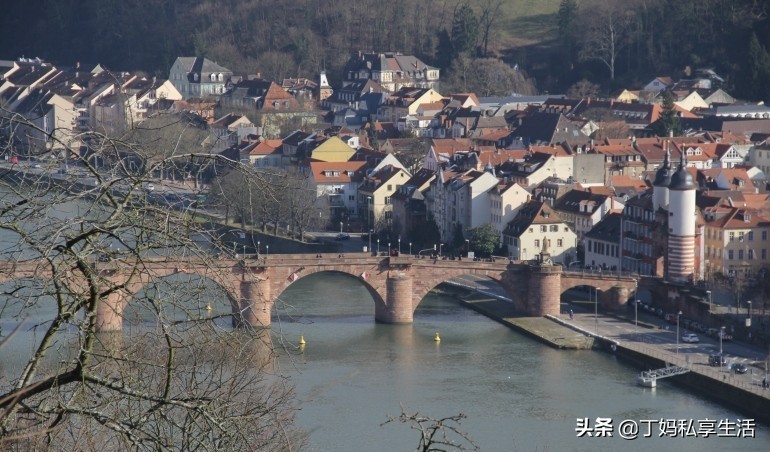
(525,22)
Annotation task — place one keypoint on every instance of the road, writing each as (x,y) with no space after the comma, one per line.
(653,335)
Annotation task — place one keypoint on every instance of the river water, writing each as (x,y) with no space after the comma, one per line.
(517,394)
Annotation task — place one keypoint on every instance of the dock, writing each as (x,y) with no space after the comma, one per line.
(649,378)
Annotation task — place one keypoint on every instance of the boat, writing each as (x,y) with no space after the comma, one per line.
(647,379)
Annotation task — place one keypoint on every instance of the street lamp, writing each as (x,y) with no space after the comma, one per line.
(439,248)
(371,231)
(399,245)
(708,292)
(410,248)
(749,322)
(467,247)
(388,248)
(721,333)
(378,246)
(340,227)
(677,331)
(257,247)
(369,213)
(596,311)
(636,318)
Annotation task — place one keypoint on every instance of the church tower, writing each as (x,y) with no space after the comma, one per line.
(324,90)
(681,224)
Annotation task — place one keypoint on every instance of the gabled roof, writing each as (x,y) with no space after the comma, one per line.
(337,172)
(266,147)
(532,212)
(578,202)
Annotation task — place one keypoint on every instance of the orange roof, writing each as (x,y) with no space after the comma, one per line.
(266,147)
(337,172)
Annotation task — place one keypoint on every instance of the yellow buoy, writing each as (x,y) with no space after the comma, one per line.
(302,340)
(437,338)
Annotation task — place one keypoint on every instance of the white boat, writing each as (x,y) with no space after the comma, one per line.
(647,380)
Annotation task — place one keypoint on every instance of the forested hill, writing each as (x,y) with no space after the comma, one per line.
(557,41)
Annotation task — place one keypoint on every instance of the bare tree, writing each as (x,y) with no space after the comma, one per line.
(436,434)
(490,17)
(181,378)
(606,26)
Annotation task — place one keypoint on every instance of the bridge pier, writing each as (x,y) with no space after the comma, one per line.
(615,298)
(398,306)
(254,306)
(544,290)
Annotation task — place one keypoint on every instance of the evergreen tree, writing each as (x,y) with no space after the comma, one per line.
(444,51)
(754,79)
(465,30)
(668,123)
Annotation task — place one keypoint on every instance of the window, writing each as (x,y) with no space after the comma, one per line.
(537,243)
(751,255)
(352,198)
(732,236)
(740,255)
(764,235)
(390,187)
(554,228)
(559,243)
(764,254)
(751,236)
(730,255)
(543,228)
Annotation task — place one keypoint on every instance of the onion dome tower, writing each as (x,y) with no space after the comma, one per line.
(681,224)
(660,193)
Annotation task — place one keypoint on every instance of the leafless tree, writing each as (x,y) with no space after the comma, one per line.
(442,434)
(180,377)
(606,26)
(489,18)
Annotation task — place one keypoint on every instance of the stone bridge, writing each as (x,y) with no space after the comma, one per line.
(397,284)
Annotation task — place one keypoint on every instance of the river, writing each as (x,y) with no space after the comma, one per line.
(517,394)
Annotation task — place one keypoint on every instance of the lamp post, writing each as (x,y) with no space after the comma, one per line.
(389,249)
(636,318)
(258,242)
(721,333)
(371,231)
(267,251)
(749,322)
(596,311)
(679,314)
(467,247)
(378,247)
(439,248)
(410,248)
(708,292)
(369,213)
(399,245)
(340,227)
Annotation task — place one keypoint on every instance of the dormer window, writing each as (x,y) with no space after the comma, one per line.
(220,77)
(195,77)
(213,77)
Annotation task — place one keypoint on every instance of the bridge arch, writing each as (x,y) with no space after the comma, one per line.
(364,280)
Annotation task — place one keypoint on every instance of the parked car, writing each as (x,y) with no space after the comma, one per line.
(740,368)
(690,338)
(716,360)
(342,236)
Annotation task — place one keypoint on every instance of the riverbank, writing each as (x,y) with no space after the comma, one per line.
(538,328)
(716,384)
